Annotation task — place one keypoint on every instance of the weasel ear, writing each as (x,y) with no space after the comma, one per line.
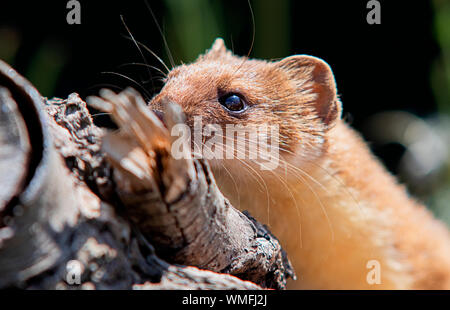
(315,74)
(217,49)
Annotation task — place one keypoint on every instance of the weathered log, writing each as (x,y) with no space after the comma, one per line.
(176,203)
(71,204)
(14,149)
(39,208)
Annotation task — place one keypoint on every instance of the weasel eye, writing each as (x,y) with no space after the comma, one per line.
(233,103)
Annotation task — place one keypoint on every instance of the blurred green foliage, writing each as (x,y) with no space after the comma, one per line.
(44,65)
(441,71)
(439,198)
(9,44)
(194,24)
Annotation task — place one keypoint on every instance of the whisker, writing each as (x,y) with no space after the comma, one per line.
(105,85)
(253,28)
(320,203)
(342,186)
(144,65)
(253,38)
(329,174)
(129,79)
(139,49)
(162,35)
(302,180)
(243,162)
(297,208)
(265,187)
(100,114)
(151,52)
(234,183)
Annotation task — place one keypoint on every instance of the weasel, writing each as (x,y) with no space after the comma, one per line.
(344,221)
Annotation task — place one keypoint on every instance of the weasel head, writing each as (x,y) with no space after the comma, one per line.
(296,94)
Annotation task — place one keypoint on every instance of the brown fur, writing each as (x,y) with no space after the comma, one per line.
(331,203)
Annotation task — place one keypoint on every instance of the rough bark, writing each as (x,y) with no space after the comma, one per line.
(115,208)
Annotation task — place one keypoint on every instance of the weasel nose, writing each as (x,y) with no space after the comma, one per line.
(159,114)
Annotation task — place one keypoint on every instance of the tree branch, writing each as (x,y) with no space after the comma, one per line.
(118,203)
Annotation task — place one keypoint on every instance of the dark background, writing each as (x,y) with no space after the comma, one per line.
(398,65)
(377,67)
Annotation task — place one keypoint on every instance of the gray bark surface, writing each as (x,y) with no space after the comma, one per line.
(113,209)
